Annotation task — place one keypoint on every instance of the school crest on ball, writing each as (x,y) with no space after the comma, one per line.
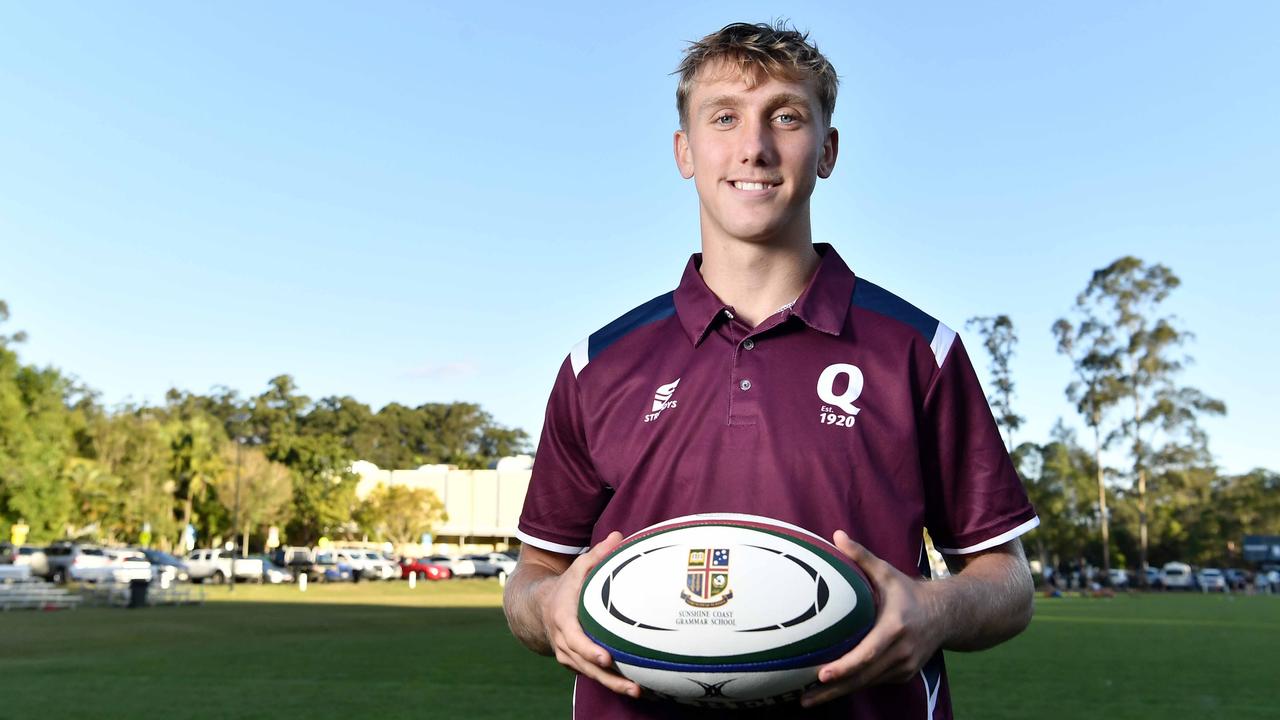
(706,583)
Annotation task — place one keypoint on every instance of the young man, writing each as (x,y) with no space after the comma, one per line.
(773,381)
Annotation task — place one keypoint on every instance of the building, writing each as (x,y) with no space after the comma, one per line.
(483,506)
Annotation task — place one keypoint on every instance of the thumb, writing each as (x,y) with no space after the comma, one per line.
(598,553)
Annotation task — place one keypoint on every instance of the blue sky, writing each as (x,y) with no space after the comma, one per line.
(430,202)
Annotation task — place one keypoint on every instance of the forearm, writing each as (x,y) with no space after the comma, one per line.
(522,601)
(988,602)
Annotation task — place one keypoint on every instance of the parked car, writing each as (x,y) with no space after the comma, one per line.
(62,556)
(385,569)
(166,568)
(273,573)
(484,566)
(1237,579)
(361,567)
(331,569)
(117,566)
(298,560)
(1119,578)
(1211,580)
(215,565)
(1177,576)
(459,566)
(34,558)
(1153,577)
(423,569)
(493,564)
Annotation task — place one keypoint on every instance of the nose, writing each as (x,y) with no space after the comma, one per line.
(757,148)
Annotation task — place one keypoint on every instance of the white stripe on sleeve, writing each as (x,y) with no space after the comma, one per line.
(548,545)
(941,345)
(1000,539)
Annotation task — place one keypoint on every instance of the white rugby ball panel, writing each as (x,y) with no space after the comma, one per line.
(785,597)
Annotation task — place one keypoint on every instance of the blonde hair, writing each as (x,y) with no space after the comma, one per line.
(777,51)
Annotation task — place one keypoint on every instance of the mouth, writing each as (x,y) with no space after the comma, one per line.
(756,185)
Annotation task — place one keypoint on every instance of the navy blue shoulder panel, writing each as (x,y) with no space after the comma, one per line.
(659,308)
(869,296)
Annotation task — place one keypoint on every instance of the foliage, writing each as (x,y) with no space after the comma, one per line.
(72,468)
(401,514)
(999,338)
(1132,358)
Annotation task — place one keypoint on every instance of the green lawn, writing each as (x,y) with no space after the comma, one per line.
(443,651)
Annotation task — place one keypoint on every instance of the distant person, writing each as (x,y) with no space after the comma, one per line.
(774,381)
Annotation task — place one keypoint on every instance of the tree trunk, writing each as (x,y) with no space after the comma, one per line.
(1103,521)
(1142,521)
(244,546)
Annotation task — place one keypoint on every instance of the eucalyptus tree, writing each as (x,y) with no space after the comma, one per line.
(1139,358)
(999,338)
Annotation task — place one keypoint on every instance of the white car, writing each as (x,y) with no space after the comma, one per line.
(1177,576)
(505,563)
(215,565)
(385,569)
(458,565)
(1211,580)
(118,566)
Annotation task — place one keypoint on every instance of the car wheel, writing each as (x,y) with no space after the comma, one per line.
(218,578)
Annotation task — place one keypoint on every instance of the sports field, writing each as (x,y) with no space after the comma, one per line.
(443,651)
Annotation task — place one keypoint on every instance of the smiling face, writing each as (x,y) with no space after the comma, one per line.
(754,151)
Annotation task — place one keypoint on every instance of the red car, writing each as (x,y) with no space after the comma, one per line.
(423,569)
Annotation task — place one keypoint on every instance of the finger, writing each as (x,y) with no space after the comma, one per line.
(868,561)
(607,676)
(826,693)
(864,655)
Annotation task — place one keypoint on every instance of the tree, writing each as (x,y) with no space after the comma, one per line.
(260,491)
(1139,367)
(401,514)
(1058,476)
(999,339)
(36,442)
(1094,359)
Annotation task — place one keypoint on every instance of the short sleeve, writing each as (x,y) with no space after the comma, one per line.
(974,497)
(565,495)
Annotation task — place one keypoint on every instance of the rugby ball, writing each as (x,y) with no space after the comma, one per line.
(725,610)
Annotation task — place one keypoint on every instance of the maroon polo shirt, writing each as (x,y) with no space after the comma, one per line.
(850,409)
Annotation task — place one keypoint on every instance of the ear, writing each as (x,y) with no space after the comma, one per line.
(684,157)
(830,149)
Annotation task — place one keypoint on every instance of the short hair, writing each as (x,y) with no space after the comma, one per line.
(778,51)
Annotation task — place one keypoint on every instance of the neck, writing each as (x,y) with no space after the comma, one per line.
(757,279)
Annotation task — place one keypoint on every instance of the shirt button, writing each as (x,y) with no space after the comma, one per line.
(745,384)
(748,344)
(728,314)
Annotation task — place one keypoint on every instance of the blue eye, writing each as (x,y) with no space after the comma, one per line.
(724,119)
(786,118)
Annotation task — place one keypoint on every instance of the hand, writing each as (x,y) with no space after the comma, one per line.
(572,647)
(907,631)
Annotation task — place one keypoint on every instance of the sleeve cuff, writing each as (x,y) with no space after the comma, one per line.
(1000,539)
(549,546)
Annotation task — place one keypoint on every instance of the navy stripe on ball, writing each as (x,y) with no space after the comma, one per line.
(814,658)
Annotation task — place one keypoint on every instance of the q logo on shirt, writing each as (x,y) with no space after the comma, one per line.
(844,400)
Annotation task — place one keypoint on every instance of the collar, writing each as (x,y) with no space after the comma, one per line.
(823,305)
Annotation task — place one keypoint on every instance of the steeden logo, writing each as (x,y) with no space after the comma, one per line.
(662,400)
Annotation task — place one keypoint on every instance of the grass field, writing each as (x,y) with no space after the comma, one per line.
(443,651)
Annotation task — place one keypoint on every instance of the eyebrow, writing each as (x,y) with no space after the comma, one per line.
(773,101)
